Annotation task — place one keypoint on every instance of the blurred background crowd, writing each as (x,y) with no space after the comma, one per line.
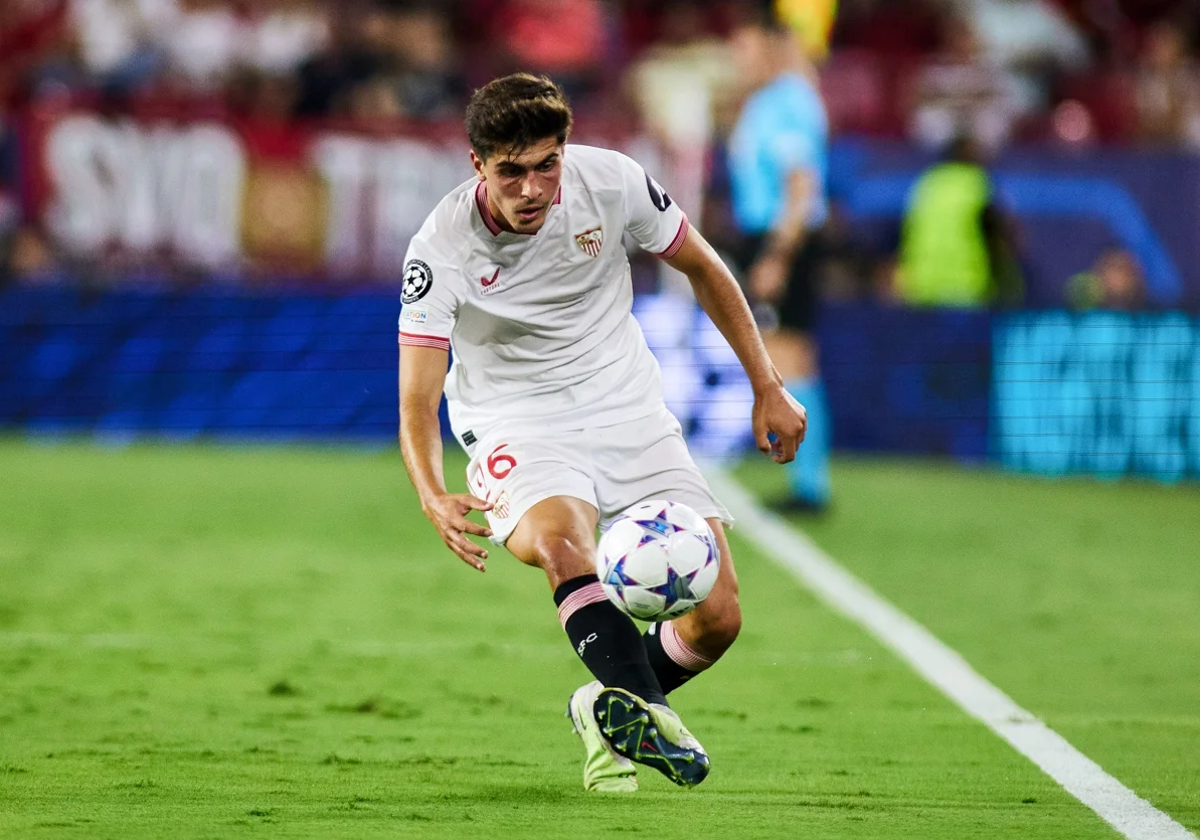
(205,207)
(1001,74)
(1118,71)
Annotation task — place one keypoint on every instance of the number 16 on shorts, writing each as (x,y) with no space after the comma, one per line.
(515,474)
(485,476)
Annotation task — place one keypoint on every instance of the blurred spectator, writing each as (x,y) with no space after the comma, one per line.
(202,44)
(889,28)
(1167,89)
(116,40)
(684,85)
(350,59)
(10,211)
(960,93)
(956,247)
(283,34)
(385,63)
(428,84)
(1115,282)
(9,220)
(271,62)
(679,78)
(8,148)
(1032,40)
(31,31)
(567,39)
(263,98)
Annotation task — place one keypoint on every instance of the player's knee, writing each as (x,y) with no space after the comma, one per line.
(561,557)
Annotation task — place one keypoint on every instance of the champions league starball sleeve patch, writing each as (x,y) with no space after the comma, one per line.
(418,280)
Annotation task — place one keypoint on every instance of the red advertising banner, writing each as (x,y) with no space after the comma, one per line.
(218,194)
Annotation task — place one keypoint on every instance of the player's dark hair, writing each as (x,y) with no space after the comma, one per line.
(513,112)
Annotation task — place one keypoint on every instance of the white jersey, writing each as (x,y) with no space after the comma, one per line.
(540,325)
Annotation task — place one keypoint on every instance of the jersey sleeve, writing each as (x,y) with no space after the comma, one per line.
(428,305)
(654,221)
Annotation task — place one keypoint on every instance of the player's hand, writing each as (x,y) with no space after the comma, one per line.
(777,413)
(448,513)
(768,278)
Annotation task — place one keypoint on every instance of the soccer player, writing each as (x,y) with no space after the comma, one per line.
(555,397)
(778,154)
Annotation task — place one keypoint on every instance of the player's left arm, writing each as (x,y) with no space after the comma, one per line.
(775,410)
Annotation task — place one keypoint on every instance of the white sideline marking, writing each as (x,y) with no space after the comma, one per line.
(1083,778)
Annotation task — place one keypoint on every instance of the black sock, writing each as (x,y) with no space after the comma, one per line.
(670,673)
(606,639)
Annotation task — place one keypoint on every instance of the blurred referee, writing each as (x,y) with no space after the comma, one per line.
(777,166)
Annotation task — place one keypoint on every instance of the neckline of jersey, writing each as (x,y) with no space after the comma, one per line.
(489,220)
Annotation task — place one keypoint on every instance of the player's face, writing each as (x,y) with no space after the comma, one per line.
(522,186)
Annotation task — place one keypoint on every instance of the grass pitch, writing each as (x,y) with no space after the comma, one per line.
(1079,598)
(237,642)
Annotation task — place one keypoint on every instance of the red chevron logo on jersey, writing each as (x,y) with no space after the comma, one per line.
(486,286)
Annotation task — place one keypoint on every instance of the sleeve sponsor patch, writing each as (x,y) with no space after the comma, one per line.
(409,315)
(418,280)
(657,194)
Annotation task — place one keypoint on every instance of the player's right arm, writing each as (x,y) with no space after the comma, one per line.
(422,378)
(426,323)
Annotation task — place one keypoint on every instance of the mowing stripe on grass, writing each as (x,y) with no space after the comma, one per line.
(1119,806)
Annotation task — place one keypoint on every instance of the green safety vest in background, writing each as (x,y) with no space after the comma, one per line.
(944,258)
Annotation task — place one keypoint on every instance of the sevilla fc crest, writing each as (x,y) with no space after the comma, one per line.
(591,241)
(500,509)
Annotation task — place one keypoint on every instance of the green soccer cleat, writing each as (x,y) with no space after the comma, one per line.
(652,735)
(604,770)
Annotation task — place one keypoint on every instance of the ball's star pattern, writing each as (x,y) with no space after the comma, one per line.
(659,525)
(675,589)
(617,577)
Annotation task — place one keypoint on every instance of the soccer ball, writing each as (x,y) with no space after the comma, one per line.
(658,560)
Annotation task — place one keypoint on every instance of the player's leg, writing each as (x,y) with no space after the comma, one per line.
(623,716)
(679,650)
(557,535)
(656,736)
(544,512)
(648,459)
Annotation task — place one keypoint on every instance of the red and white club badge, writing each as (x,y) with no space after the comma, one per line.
(590,241)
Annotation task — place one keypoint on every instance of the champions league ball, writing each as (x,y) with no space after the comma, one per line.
(658,560)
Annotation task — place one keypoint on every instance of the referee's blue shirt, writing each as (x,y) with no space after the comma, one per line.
(782,128)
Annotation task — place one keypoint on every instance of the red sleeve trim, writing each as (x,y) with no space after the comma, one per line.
(676,243)
(415,340)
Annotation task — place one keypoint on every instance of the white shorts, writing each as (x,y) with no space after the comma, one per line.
(610,468)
